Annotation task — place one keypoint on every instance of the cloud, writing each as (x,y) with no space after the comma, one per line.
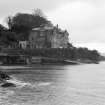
(16,5)
(92,46)
(11,7)
(84,21)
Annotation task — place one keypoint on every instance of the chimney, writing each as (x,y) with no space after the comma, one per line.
(57,26)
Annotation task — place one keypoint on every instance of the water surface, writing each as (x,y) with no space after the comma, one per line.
(56,85)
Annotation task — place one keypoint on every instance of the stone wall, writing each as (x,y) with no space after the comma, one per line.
(48,38)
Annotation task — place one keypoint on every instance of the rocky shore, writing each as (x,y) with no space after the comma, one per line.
(4,77)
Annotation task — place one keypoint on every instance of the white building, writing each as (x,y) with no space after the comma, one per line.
(23,44)
(48,37)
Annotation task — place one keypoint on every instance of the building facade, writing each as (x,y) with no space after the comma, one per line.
(23,44)
(59,39)
(48,37)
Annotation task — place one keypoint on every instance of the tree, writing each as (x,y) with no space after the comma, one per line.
(38,12)
(22,23)
(8,38)
(9,22)
(2,28)
(25,22)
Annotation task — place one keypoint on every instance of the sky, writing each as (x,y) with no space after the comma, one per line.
(83,19)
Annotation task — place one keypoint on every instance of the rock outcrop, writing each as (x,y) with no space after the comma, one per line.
(4,77)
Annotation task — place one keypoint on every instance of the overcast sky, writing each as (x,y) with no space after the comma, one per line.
(84,19)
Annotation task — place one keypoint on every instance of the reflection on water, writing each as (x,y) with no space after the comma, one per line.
(56,85)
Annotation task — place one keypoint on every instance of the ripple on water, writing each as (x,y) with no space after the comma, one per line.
(21,84)
(4,95)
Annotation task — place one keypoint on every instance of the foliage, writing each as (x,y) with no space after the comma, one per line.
(19,27)
(22,23)
(66,53)
(6,37)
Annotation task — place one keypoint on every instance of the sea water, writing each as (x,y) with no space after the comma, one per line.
(55,85)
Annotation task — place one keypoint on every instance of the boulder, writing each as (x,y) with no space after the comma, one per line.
(4,76)
(5,85)
(4,80)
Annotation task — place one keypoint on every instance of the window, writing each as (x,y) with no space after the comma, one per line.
(41,33)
